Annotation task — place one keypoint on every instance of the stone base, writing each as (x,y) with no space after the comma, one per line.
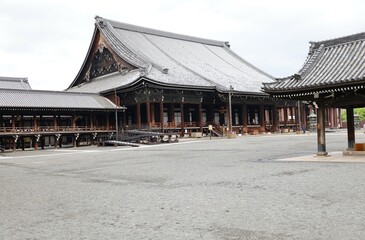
(353,153)
(196,134)
(232,135)
(322,154)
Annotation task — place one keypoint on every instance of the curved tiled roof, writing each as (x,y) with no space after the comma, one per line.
(178,60)
(332,62)
(53,99)
(121,47)
(14,83)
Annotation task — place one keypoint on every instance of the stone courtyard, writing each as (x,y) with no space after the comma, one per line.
(251,187)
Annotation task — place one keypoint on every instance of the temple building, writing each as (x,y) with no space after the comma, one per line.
(174,82)
(136,78)
(333,76)
(32,119)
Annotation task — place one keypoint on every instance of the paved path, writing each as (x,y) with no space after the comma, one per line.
(252,187)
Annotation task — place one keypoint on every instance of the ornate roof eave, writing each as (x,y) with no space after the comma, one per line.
(310,91)
(144,80)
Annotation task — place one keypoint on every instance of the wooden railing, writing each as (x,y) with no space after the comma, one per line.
(165,125)
(53,129)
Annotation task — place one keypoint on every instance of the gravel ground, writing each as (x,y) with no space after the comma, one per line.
(194,189)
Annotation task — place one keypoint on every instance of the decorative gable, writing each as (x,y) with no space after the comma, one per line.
(101,60)
(102,63)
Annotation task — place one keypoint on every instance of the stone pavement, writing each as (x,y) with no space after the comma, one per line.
(217,189)
(331,157)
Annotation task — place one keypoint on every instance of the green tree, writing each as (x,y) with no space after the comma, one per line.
(358,111)
(361,113)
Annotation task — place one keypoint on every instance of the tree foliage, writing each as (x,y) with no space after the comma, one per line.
(358,111)
(361,113)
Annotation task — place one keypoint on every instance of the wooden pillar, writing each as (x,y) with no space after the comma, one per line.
(262,118)
(13,123)
(330,117)
(73,121)
(107,121)
(200,117)
(161,116)
(55,127)
(275,118)
(35,123)
(153,120)
(244,118)
(340,117)
(321,133)
(21,124)
(148,112)
(228,118)
(296,121)
(335,118)
(171,114)
(91,120)
(138,115)
(303,114)
(285,116)
(350,127)
(41,123)
(182,118)
(124,119)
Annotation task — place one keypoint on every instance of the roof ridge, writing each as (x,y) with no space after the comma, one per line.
(135,28)
(313,56)
(133,58)
(13,79)
(47,91)
(339,40)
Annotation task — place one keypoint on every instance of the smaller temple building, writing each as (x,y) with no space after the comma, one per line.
(333,76)
(32,119)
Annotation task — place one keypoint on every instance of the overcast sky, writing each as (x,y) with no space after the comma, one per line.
(47,41)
